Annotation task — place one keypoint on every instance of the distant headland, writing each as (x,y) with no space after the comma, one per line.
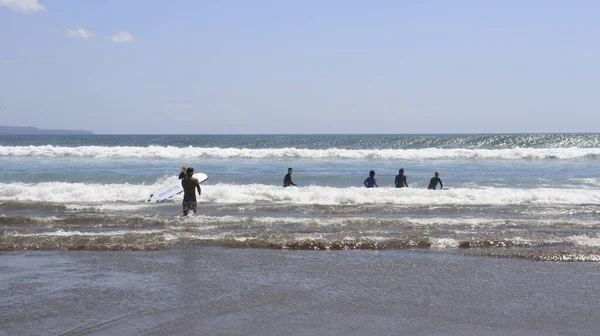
(38,131)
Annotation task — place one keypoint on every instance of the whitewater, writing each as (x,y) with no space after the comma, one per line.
(534,196)
(75,193)
(170,152)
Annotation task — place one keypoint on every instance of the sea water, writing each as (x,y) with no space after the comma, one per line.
(531,196)
(82,253)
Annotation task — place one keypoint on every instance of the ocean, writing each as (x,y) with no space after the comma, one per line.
(74,224)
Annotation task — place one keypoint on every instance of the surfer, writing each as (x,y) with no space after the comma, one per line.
(371,181)
(400,180)
(190,184)
(287,180)
(182,174)
(434,181)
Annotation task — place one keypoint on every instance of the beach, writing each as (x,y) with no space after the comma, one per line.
(222,291)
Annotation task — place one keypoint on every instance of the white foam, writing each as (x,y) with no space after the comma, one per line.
(219,221)
(109,206)
(407,196)
(443,242)
(49,219)
(585,240)
(128,195)
(589,181)
(61,192)
(63,233)
(291,152)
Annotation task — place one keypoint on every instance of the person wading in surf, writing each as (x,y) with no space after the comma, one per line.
(190,184)
(400,180)
(434,181)
(371,181)
(287,180)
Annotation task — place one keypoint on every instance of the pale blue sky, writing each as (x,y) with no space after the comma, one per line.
(192,66)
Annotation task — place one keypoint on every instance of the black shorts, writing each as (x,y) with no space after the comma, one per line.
(187,206)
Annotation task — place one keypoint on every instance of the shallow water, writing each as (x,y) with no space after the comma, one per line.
(533,196)
(223,291)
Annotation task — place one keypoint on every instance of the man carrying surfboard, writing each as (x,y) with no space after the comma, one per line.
(190,184)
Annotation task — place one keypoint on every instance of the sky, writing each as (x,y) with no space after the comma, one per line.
(300,67)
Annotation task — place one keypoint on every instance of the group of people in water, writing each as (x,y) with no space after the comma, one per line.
(371,181)
(190,184)
(400,180)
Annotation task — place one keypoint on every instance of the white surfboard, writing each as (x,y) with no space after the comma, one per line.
(172,189)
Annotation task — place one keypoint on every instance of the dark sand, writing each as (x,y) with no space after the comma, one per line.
(224,291)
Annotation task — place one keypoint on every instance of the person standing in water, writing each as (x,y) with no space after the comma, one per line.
(400,180)
(371,181)
(182,174)
(287,180)
(190,184)
(434,181)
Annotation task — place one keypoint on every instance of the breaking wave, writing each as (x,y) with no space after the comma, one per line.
(170,152)
(132,196)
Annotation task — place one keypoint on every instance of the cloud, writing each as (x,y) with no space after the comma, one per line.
(122,37)
(79,33)
(23,6)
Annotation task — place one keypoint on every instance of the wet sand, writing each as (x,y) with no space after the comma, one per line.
(225,291)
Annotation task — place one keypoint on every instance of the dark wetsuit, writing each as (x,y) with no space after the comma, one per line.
(400,181)
(287,180)
(433,183)
(181,175)
(190,184)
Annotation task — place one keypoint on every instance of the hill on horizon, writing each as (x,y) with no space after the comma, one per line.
(16,130)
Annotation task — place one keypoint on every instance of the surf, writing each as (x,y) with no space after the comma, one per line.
(126,195)
(186,153)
